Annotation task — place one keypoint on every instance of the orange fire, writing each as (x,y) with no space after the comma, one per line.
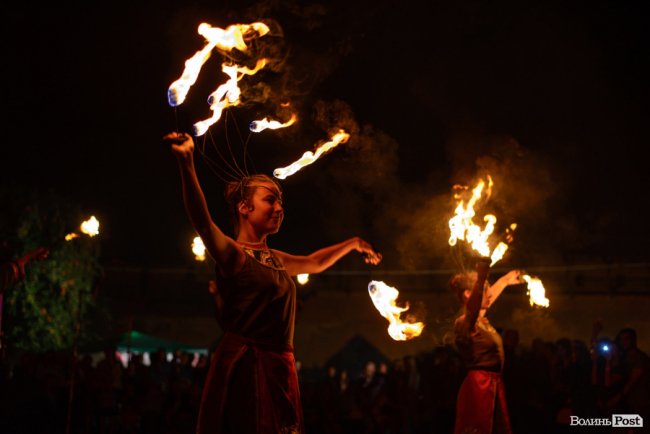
(263,124)
(536,291)
(309,157)
(198,248)
(90,227)
(232,37)
(302,278)
(384,297)
(462,225)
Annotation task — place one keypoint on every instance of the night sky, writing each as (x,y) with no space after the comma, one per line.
(550,98)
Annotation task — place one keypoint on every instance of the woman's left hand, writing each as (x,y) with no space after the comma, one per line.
(370,255)
(513,277)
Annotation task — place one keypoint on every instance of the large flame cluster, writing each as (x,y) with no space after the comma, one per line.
(234,37)
(463,227)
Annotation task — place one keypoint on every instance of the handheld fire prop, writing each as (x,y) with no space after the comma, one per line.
(309,157)
(302,278)
(226,95)
(384,298)
(463,228)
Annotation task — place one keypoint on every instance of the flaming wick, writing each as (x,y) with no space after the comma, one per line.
(309,157)
(384,297)
(198,248)
(263,124)
(536,291)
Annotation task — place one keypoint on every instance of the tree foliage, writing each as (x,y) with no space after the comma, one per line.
(56,303)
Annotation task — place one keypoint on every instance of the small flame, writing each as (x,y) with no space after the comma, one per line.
(263,124)
(232,37)
(302,278)
(462,225)
(71,236)
(226,95)
(90,227)
(309,157)
(384,297)
(198,248)
(536,291)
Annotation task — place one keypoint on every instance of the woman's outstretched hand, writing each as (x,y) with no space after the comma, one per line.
(370,255)
(182,144)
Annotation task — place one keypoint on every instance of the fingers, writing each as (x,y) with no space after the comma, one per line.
(176,137)
(372,257)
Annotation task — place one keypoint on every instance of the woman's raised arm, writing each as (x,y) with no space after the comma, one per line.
(222,248)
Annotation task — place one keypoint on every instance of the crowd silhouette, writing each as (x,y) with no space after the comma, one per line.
(546,383)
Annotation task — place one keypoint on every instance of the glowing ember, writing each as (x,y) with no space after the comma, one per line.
(90,227)
(536,291)
(232,37)
(309,157)
(302,278)
(384,297)
(226,95)
(261,125)
(71,236)
(198,248)
(462,225)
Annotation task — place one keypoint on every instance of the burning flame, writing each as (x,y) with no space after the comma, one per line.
(536,291)
(261,125)
(309,157)
(226,95)
(71,236)
(383,297)
(232,37)
(90,227)
(462,225)
(198,248)
(302,278)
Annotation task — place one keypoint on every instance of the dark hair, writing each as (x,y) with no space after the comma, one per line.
(626,331)
(242,190)
(459,283)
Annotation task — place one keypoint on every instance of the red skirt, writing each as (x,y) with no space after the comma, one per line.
(251,388)
(481,407)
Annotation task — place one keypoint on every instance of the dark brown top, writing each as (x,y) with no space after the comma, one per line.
(480,347)
(259,302)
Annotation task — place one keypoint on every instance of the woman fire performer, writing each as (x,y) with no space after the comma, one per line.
(481,406)
(252,386)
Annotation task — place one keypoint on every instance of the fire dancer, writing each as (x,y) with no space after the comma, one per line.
(252,385)
(481,405)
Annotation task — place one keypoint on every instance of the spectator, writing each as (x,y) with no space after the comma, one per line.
(12,272)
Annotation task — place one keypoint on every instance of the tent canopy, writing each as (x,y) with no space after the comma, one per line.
(137,342)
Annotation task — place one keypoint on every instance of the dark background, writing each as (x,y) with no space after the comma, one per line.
(550,98)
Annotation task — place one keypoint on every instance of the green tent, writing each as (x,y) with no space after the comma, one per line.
(137,342)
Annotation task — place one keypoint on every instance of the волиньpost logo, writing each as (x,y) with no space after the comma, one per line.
(616,421)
